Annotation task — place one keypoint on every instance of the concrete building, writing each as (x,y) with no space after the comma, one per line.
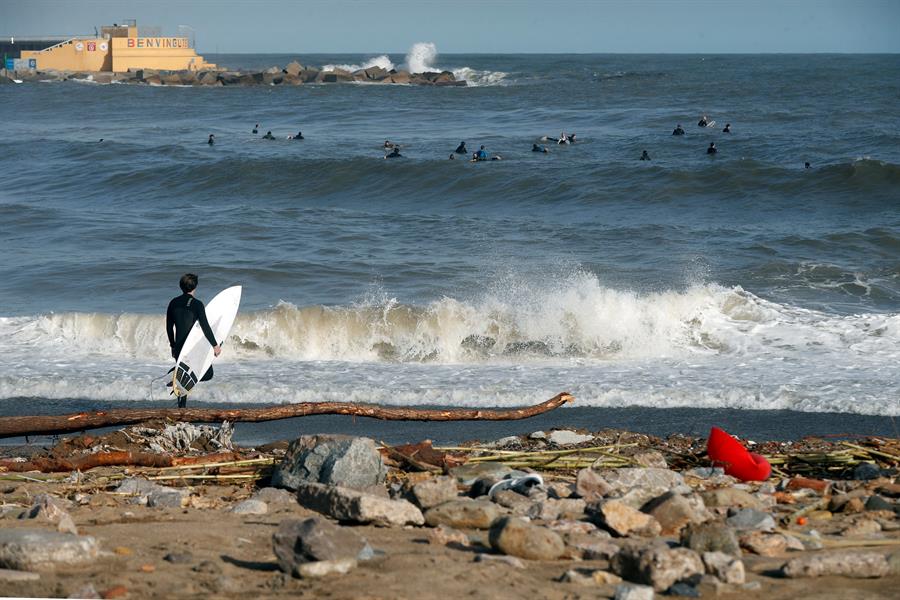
(116,48)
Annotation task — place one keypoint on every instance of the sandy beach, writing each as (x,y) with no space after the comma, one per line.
(161,533)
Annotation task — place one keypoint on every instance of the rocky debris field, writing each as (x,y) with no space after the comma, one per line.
(341,517)
(292,74)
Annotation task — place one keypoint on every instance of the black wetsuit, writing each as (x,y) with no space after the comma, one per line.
(678,131)
(461,149)
(183,312)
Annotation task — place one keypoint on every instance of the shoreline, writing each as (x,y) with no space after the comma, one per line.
(776,425)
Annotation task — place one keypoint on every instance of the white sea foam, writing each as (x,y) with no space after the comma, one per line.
(707,346)
(379,61)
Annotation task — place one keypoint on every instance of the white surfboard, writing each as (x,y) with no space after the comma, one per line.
(197,355)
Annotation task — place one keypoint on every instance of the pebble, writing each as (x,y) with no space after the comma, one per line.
(623,520)
(765,544)
(590,485)
(250,507)
(432,492)
(711,537)
(275,496)
(85,591)
(628,591)
(323,568)
(725,567)
(675,511)
(13,575)
(590,577)
(512,561)
(863,527)
(685,590)
(179,558)
(730,496)
(443,535)
(657,565)
(209,567)
(316,539)
(878,503)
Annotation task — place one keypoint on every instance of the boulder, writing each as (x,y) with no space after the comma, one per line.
(516,537)
(463,514)
(560,437)
(272,71)
(297,542)
(375,73)
(334,77)
(50,509)
(172,79)
(340,460)
(432,492)
(765,544)
(152,494)
(590,546)
(292,80)
(621,519)
(275,496)
(308,75)
(638,485)
(590,485)
(152,80)
(846,563)
(674,511)
(346,504)
(749,519)
(725,567)
(729,496)
(39,550)
(517,503)
(293,68)
(711,537)
(657,566)
(273,78)
(400,77)
(553,509)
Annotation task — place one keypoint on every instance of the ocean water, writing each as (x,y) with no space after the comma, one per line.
(735,281)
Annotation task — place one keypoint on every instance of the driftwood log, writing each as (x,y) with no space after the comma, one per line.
(111,459)
(53,424)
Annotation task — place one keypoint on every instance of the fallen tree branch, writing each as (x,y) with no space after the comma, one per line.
(53,424)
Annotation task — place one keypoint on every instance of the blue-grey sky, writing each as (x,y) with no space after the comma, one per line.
(489,26)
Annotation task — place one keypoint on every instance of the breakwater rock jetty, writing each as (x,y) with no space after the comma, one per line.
(292,74)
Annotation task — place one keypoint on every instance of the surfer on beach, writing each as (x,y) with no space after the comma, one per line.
(183,312)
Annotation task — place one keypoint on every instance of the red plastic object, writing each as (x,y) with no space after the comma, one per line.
(725,451)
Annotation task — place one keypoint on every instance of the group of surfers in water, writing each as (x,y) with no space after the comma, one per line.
(392,149)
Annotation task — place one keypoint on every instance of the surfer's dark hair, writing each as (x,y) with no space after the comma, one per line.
(188,283)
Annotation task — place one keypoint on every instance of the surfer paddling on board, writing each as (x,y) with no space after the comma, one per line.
(183,312)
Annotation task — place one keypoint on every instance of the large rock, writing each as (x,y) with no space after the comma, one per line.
(674,511)
(725,567)
(590,485)
(552,509)
(749,519)
(275,496)
(728,497)
(623,520)
(38,550)
(432,492)
(375,73)
(565,437)
(152,494)
(172,79)
(638,485)
(516,537)
(298,542)
(293,68)
(463,514)
(341,460)
(590,546)
(711,537)
(846,563)
(49,508)
(308,75)
(346,504)
(657,566)
(400,77)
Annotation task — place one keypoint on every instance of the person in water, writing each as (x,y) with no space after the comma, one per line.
(268,136)
(536,148)
(461,149)
(727,128)
(703,121)
(712,148)
(211,140)
(183,312)
(481,154)
(452,156)
(256,128)
(806,165)
(388,144)
(645,156)
(299,136)
(395,153)
(679,130)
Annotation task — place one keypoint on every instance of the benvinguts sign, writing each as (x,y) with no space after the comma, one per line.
(158,42)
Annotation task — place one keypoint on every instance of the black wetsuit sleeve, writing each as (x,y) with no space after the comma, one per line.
(200,312)
(170,326)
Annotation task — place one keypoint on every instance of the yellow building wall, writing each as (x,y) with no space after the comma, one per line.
(82,54)
(166,54)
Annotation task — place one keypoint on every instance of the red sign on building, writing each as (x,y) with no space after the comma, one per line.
(92,46)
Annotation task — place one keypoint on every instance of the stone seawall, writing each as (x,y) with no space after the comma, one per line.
(292,74)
